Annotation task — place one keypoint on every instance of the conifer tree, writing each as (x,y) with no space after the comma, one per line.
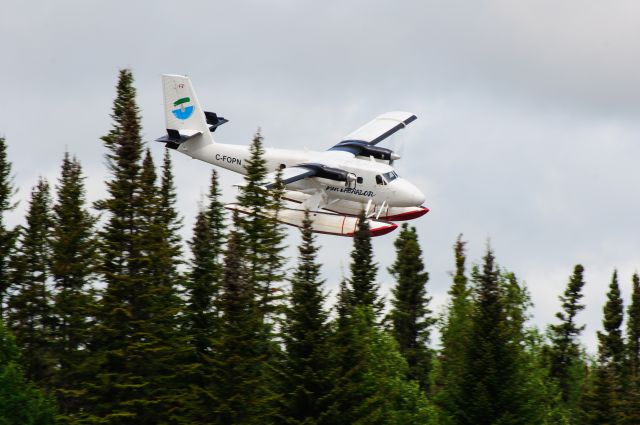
(633,328)
(454,334)
(261,234)
(362,285)
(565,358)
(305,337)
(201,317)
(21,403)
(170,221)
(239,355)
(30,301)
(603,403)
(611,344)
(73,256)
(494,363)
(7,236)
(115,388)
(410,315)
(369,384)
(206,271)
(632,393)
(136,342)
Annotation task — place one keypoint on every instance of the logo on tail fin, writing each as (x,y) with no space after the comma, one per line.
(183,111)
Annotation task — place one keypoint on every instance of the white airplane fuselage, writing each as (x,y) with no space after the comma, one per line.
(377,184)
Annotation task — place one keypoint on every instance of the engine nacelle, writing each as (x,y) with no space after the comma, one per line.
(330,173)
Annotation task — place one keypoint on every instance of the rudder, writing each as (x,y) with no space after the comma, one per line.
(182,110)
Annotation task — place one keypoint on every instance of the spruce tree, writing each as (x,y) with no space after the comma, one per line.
(136,348)
(239,352)
(206,270)
(455,333)
(495,367)
(369,384)
(114,392)
(632,393)
(261,238)
(201,317)
(362,282)
(410,315)
(170,221)
(30,301)
(21,403)
(73,257)
(7,236)
(565,356)
(611,344)
(603,404)
(260,232)
(633,328)
(305,337)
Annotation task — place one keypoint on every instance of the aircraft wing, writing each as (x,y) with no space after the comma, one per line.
(289,175)
(381,127)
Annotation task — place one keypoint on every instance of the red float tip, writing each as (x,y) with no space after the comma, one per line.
(383,230)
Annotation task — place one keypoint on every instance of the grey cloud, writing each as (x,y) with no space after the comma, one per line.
(528,111)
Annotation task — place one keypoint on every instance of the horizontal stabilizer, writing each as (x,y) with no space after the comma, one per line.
(175,137)
(213,120)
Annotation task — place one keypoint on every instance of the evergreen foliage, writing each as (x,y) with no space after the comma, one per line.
(136,345)
(201,317)
(633,328)
(565,352)
(603,404)
(495,368)
(305,336)
(21,403)
(410,315)
(369,377)
(260,232)
(632,393)
(362,286)
(73,258)
(611,344)
(454,335)
(7,236)
(240,394)
(206,270)
(30,300)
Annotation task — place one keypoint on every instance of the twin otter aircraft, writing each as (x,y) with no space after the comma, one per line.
(334,185)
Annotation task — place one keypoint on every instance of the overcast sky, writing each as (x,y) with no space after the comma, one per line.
(528,130)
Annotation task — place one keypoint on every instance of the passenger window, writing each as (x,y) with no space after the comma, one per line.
(359,179)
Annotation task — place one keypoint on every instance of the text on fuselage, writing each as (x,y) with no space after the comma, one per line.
(352,191)
(228,159)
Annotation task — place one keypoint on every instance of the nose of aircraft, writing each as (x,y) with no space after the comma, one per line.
(409,195)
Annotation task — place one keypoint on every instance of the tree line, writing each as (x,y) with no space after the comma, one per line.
(105,320)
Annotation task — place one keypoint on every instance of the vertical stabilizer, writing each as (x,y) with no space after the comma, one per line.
(182,110)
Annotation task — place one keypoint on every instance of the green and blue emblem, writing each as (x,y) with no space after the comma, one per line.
(183,110)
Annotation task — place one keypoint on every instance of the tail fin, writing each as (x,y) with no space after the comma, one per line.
(182,111)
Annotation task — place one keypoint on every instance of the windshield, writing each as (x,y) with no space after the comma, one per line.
(390,176)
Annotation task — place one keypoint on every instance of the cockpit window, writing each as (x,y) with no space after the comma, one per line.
(390,176)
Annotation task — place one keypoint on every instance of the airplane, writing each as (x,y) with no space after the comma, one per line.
(335,185)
